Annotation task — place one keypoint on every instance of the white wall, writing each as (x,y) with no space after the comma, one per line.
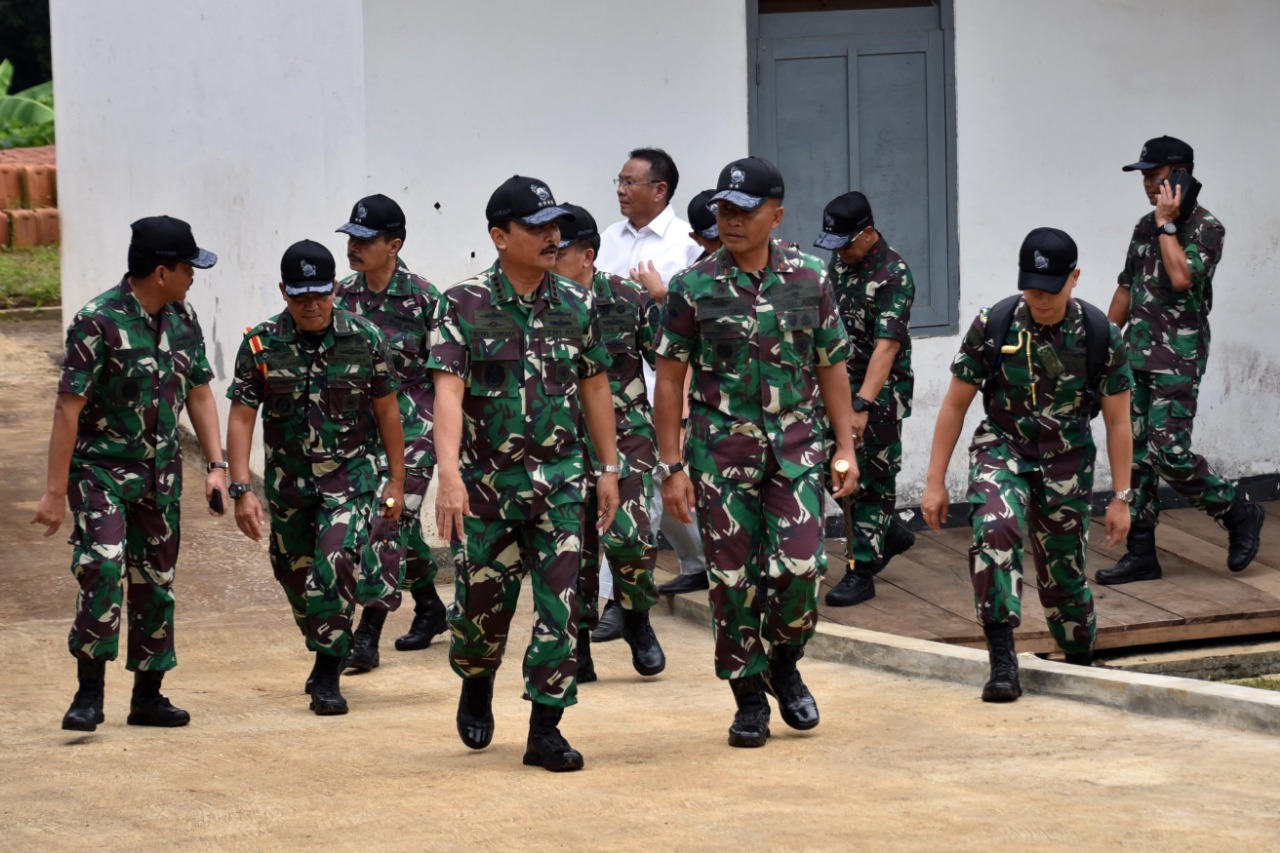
(1052,99)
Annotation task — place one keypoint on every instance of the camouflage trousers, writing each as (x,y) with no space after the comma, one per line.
(489,566)
(628,543)
(1008,494)
(315,549)
(1164,410)
(869,510)
(764,545)
(396,556)
(112,534)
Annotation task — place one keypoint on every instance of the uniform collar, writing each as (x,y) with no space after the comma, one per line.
(727,268)
(601,287)
(129,300)
(398,286)
(502,291)
(874,258)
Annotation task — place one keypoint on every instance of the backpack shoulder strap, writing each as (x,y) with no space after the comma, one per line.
(1097,340)
(999,321)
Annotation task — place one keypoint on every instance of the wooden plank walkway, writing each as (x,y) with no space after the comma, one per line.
(926,593)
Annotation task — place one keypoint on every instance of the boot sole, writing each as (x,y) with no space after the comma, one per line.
(1262,518)
(136,720)
(354,667)
(836,602)
(1001,696)
(532,759)
(475,744)
(748,742)
(82,727)
(1140,576)
(328,710)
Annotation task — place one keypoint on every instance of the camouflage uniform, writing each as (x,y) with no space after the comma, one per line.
(319,432)
(521,459)
(398,553)
(1168,340)
(1032,461)
(757,440)
(136,370)
(875,297)
(628,323)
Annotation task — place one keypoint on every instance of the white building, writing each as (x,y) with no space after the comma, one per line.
(966,122)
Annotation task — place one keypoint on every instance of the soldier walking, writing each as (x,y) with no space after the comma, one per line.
(135,357)
(327,391)
(519,362)
(1047,364)
(758,324)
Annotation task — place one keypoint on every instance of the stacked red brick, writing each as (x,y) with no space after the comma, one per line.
(28,197)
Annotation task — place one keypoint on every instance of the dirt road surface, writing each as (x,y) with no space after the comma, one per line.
(897,763)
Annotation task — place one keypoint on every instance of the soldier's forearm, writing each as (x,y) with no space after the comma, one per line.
(1175,262)
(946,431)
(1118,313)
(391,431)
(879,368)
(240,423)
(597,404)
(62,441)
(668,406)
(447,423)
(203,414)
(1116,416)
(833,383)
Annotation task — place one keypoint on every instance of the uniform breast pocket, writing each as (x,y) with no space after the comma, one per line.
(797,334)
(497,368)
(132,382)
(345,399)
(726,343)
(283,398)
(560,369)
(623,361)
(406,355)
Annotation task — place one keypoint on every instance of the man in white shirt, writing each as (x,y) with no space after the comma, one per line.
(650,245)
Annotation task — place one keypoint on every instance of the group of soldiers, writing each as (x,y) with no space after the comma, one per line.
(522,391)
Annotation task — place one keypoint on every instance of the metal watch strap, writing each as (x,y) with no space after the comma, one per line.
(239,490)
(610,469)
(214,465)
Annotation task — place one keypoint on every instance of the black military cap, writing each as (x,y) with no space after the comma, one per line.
(1162,151)
(582,226)
(526,200)
(702,215)
(167,238)
(307,267)
(748,182)
(373,215)
(842,219)
(1046,260)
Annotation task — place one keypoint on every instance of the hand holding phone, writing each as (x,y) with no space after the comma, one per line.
(1180,179)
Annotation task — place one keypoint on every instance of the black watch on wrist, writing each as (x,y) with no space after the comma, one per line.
(1170,228)
(662,470)
(239,490)
(861,404)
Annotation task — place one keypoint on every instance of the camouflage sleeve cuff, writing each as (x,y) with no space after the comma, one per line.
(75,382)
(836,354)
(451,358)
(245,395)
(893,328)
(200,377)
(672,346)
(964,370)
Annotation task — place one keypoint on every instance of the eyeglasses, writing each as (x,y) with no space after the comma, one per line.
(628,183)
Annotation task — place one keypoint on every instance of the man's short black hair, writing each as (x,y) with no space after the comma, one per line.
(505,225)
(141,266)
(592,243)
(396,234)
(661,167)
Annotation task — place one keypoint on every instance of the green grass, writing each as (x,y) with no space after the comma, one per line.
(30,277)
(1263,683)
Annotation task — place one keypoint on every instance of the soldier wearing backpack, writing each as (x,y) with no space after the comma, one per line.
(1047,364)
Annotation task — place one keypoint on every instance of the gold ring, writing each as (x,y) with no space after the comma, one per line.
(390,502)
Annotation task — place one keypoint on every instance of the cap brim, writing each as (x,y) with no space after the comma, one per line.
(740,200)
(358,231)
(827,240)
(1042,281)
(203,259)
(302,288)
(542,217)
(1141,165)
(712,233)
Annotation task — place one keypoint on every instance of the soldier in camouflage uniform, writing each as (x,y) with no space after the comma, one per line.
(758,324)
(400,304)
(874,290)
(1032,457)
(518,360)
(328,394)
(135,356)
(1164,297)
(628,317)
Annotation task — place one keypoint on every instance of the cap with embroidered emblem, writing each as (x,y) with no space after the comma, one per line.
(1046,260)
(373,215)
(582,226)
(702,215)
(1162,151)
(842,219)
(526,200)
(748,182)
(307,267)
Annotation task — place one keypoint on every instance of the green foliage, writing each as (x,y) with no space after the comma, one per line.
(26,117)
(1266,682)
(30,277)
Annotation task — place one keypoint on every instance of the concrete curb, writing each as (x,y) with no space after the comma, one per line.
(48,312)
(1155,695)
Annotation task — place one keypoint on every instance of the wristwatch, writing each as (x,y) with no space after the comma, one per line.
(239,490)
(214,465)
(610,469)
(662,470)
(861,404)
(1124,495)
(1170,228)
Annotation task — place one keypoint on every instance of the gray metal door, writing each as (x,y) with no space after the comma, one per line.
(858,100)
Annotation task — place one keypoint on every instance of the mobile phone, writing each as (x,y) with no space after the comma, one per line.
(1190,190)
(215,502)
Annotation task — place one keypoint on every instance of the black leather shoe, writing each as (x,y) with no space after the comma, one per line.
(796,704)
(85,712)
(1003,685)
(429,621)
(326,697)
(475,711)
(1139,562)
(1243,521)
(646,653)
(751,724)
(586,666)
(610,625)
(148,708)
(1080,658)
(854,588)
(364,641)
(546,747)
(685,583)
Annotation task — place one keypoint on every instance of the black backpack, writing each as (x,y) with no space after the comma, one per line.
(1097,339)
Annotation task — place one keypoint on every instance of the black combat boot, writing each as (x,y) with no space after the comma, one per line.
(429,620)
(364,641)
(86,707)
(546,747)
(1243,521)
(326,697)
(311,678)
(475,711)
(796,704)
(609,625)
(1139,562)
(1084,658)
(586,666)
(751,724)
(898,539)
(857,586)
(646,654)
(149,708)
(1003,684)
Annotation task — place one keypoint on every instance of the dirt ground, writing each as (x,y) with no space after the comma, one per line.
(897,763)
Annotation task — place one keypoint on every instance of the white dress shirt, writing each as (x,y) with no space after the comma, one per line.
(664,241)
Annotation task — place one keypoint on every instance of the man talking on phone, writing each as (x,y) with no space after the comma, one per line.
(1163,303)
